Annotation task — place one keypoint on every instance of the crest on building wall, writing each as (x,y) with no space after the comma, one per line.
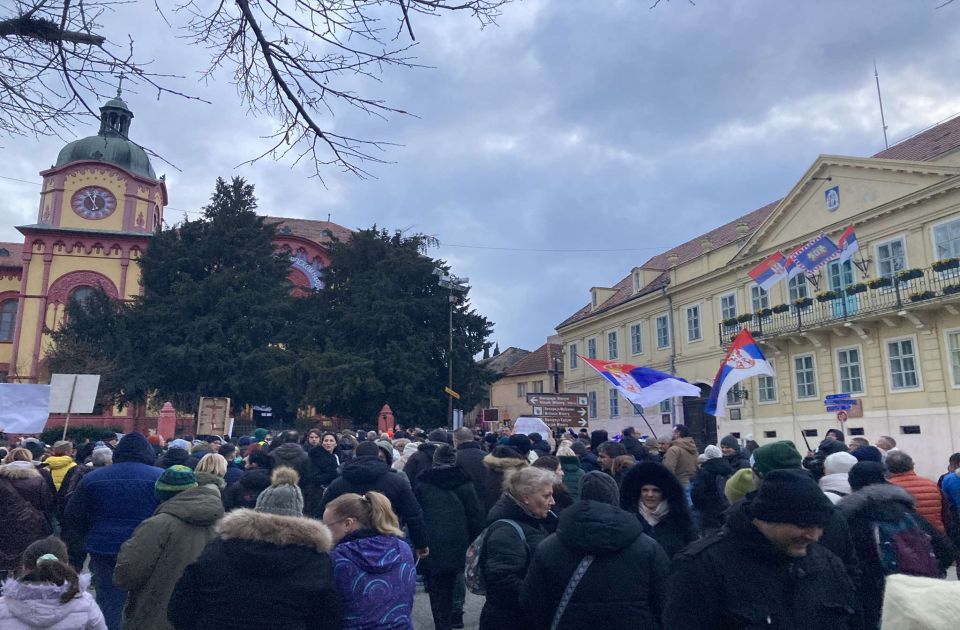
(832,196)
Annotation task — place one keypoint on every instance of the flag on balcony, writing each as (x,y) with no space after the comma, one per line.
(743,360)
(642,386)
(791,266)
(816,253)
(769,272)
(848,244)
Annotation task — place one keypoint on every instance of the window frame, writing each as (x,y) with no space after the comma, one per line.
(916,364)
(574,361)
(13,320)
(933,234)
(591,354)
(954,373)
(772,401)
(615,355)
(796,383)
(666,318)
(522,390)
(876,253)
(666,412)
(763,293)
(686,314)
(639,327)
(730,392)
(593,407)
(613,402)
(736,307)
(863,374)
(806,288)
(537,387)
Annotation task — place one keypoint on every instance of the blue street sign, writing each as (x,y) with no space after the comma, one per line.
(840,401)
(838,407)
(839,396)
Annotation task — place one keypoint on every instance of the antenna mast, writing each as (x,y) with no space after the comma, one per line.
(883,121)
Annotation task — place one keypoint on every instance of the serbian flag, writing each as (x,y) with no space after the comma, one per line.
(848,244)
(791,266)
(642,386)
(816,253)
(769,272)
(743,360)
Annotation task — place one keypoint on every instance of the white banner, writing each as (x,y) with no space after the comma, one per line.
(24,408)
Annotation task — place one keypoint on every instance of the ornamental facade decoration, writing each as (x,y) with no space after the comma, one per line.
(65,285)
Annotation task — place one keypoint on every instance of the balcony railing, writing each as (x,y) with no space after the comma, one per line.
(908,288)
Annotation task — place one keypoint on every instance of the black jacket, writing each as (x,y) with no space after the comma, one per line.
(362,474)
(177,457)
(737,580)
(504,564)
(244,493)
(234,472)
(675,531)
(496,468)
(625,586)
(470,458)
(589,463)
(294,456)
(322,472)
(452,516)
(738,461)
(706,491)
(542,447)
(420,461)
(262,571)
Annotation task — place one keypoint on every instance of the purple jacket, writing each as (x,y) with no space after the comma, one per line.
(377,578)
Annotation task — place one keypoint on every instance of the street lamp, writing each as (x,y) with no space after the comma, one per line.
(451,283)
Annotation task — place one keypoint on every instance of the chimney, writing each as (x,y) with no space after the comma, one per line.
(673,259)
(706,244)
(743,229)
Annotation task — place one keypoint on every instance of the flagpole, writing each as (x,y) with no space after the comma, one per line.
(640,409)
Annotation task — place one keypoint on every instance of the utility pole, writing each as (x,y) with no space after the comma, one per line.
(883,121)
(452,283)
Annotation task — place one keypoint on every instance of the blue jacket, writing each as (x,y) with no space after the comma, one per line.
(111,501)
(377,578)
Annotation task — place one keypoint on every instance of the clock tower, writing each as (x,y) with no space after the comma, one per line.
(99,205)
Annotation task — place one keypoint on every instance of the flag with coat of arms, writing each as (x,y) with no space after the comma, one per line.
(816,253)
(769,272)
(848,244)
(644,387)
(743,360)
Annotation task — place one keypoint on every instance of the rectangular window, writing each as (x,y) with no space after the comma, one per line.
(637,409)
(891,258)
(666,411)
(592,404)
(735,396)
(521,390)
(663,332)
(851,371)
(766,389)
(759,298)
(612,352)
(537,387)
(573,356)
(614,402)
(946,240)
(903,364)
(8,320)
(806,376)
(592,348)
(728,306)
(953,344)
(693,323)
(798,288)
(636,339)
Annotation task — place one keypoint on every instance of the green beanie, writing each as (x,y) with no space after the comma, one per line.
(259,434)
(776,456)
(739,485)
(174,480)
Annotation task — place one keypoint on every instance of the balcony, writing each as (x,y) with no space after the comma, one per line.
(882,298)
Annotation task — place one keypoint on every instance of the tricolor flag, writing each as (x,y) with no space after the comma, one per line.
(848,244)
(743,360)
(642,386)
(769,272)
(791,266)
(816,253)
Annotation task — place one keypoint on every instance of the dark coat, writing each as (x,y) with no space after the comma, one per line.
(675,531)
(261,571)
(624,587)
(493,479)
(420,461)
(362,474)
(738,461)
(176,457)
(27,502)
(504,564)
(470,458)
(294,456)
(541,447)
(234,472)
(737,580)
(589,463)
(572,474)
(323,470)
(452,516)
(244,493)
(707,494)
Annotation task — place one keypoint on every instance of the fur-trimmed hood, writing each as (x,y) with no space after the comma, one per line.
(503,464)
(274,529)
(882,501)
(19,470)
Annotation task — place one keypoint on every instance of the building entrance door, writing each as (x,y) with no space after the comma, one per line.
(842,276)
(703,426)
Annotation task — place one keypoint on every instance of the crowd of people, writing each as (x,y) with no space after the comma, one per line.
(566,531)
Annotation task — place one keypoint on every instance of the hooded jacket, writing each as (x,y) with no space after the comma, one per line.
(261,571)
(706,492)
(244,493)
(420,461)
(154,557)
(675,530)
(377,578)
(362,474)
(572,474)
(681,459)
(497,467)
(624,587)
(738,460)
(58,465)
(470,458)
(292,455)
(835,486)
(29,606)
(177,457)
(452,516)
(26,503)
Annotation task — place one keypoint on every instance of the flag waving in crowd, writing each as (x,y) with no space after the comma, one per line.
(743,360)
(642,386)
(769,272)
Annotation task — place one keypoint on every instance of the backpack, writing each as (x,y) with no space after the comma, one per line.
(473,570)
(904,547)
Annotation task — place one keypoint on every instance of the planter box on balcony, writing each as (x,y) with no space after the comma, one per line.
(880,283)
(803,302)
(923,295)
(730,323)
(781,308)
(826,296)
(764,312)
(952,289)
(946,264)
(853,289)
(909,274)
(746,317)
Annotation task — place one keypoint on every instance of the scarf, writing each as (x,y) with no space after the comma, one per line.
(653,517)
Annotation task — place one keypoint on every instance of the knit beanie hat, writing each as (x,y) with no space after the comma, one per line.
(839,463)
(174,480)
(444,456)
(729,441)
(259,434)
(868,454)
(598,486)
(179,443)
(520,442)
(387,447)
(739,485)
(713,452)
(283,497)
(776,456)
(791,496)
(866,474)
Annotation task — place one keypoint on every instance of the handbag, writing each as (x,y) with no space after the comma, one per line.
(571,587)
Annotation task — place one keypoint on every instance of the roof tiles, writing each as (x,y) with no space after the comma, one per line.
(538,361)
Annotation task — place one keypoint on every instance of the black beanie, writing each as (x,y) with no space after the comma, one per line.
(520,442)
(791,496)
(866,473)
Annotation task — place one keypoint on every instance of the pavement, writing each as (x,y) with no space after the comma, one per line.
(423,620)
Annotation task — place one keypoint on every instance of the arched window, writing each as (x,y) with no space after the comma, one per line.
(8,319)
(81,294)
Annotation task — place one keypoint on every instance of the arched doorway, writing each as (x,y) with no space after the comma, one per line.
(703,426)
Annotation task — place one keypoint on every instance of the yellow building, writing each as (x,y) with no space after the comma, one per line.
(885,329)
(540,371)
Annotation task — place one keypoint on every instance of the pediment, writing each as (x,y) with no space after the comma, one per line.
(856,185)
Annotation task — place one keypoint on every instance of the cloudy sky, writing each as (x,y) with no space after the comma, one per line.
(571,142)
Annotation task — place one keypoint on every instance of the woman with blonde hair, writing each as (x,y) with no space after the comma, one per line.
(373,565)
(211,470)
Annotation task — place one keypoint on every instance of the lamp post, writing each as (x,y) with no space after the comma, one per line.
(451,283)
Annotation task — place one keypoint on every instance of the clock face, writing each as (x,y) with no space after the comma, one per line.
(93,202)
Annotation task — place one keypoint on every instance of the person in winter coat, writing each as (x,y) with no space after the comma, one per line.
(177,454)
(322,472)
(588,460)
(470,458)
(76,542)
(373,566)
(255,479)
(270,566)
(499,462)
(526,500)
(539,445)
(155,556)
(765,570)
(234,470)
(681,458)
(366,472)
(814,461)
(107,506)
(27,503)
(423,459)
(60,462)
(654,495)
(834,482)
(210,472)
(707,490)
(925,491)
(733,453)
(562,498)
(452,518)
(291,454)
(624,585)
(572,472)
(49,593)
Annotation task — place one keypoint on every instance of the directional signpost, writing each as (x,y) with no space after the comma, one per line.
(841,404)
(560,410)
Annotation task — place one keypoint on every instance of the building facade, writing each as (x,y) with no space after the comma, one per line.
(884,327)
(538,372)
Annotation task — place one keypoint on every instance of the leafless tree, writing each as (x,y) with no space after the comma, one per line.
(290,61)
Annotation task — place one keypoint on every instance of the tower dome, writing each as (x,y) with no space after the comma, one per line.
(111,144)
